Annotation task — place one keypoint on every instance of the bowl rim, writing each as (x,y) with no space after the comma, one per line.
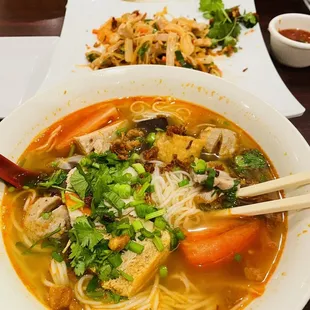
(274,32)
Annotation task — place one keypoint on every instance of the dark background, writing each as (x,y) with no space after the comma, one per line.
(45,18)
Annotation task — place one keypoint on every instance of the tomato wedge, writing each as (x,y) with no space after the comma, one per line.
(205,250)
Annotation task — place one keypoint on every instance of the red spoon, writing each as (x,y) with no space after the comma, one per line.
(15,175)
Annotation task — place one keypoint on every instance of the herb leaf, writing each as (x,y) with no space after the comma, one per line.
(57,178)
(86,234)
(211,5)
(79,183)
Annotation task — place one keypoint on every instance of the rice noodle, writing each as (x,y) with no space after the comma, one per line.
(177,200)
(167,107)
(154,297)
(59,273)
(50,143)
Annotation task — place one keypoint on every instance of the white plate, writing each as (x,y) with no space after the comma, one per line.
(289,287)
(24,63)
(260,78)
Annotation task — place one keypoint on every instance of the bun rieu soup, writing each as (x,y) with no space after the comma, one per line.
(120,217)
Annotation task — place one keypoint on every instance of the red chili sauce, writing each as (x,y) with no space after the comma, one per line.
(296,35)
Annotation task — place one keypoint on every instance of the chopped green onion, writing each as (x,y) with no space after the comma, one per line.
(158,244)
(11,189)
(157,233)
(238,257)
(155,214)
(139,195)
(151,189)
(96,295)
(179,234)
(146,233)
(143,209)
(63,197)
(143,49)
(159,129)
(114,200)
(183,182)
(150,139)
(209,182)
(46,215)
(78,203)
(134,156)
(163,271)
(57,257)
(26,187)
(145,177)
(160,223)
(135,247)
(120,131)
(138,167)
(126,276)
(136,202)
(95,165)
(141,237)
(199,166)
(174,242)
(137,225)
(179,57)
(72,150)
(115,260)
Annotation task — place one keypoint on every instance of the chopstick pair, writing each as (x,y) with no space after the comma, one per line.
(273,206)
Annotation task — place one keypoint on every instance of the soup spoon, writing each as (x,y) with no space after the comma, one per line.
(14,174)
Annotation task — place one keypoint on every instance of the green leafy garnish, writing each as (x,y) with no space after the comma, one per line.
(251,159)
(225,23)
(135,247)
(78,203)
(57,178)
(249,20)
(238,257)
(46,215)
(209,182)
(87,235)
(199,166)
(47,236)
(183,182)
(143,49)
(57,257)
(79,184)
(179,57)
(163,271)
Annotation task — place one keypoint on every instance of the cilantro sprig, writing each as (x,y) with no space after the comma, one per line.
(225,24)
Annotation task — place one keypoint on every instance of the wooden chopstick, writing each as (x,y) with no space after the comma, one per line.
(272,206)
(291,181)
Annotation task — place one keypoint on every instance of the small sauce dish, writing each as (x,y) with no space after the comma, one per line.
(287,51)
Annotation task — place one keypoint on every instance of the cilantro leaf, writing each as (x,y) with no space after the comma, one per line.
(81,258)
(230,41)
(211,5)
(79,183)
(87,235)
(249,20)
(104,272)
(220,31)
(251,159)
(57,178)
